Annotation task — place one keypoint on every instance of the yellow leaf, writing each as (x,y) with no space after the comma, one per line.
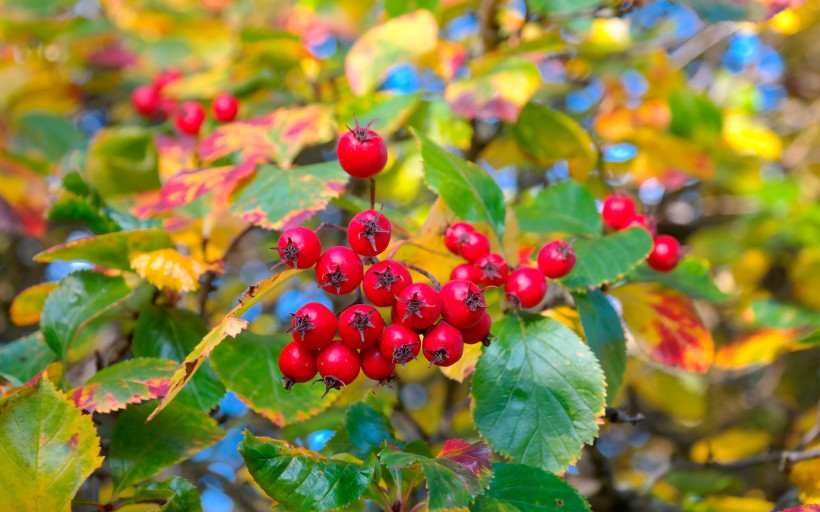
(27,306)
(747,136)
(806,476)
(681,395)
(167,268)
(497,88)
(757,348)
(805,274)
(465,366)
(732,504)
(730,445)
(567,316)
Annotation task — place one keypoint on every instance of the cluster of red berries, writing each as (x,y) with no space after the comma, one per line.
(188,117)
(619,213)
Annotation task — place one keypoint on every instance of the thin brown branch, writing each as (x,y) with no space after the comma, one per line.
(423,272)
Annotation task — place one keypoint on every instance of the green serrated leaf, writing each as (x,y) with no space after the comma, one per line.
(605,336)
(179,495)
(367,428)
(23,358)
(112,250)
(607,259)
(692,276)
(565,208)
(127,382)
(515,487)
(537,393)
(301,479)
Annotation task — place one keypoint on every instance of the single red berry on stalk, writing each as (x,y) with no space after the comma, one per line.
(526,287)
(369,233)
(641,221)
(299,247)
(189,117)
(313,325)
(494,270)
(146,100)
(665,254)
(339,365)
(466,272)
(361,151)
(383,281)
(556,259)
(617,211)
(478,332)
(225,107)
(375,366)
(166,77)
(399,344)
(418,306)
(475,246)
(360,326)
(462,303)
(455,235)
(443,345)
(339,270)
(297,364)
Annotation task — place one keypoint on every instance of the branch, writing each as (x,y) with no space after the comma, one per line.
(423,272)
(488,25)
(208,284)
(702,41)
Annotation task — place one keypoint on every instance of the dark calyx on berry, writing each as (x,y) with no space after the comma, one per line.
(404,353)
(437,356)
(335,279)
(387,382)
(361,321)
(362,133)
(371,228)
(489,271)
(290,253)
(414,306)
(301,324)
(385,279)
(474,300)
(288,383)
(330,382)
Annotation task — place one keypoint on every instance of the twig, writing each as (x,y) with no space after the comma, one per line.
(619,415)
(372,193)
(488,24)
(812,434)
(208,284)
(423,272)
(419,506)
(702,41)
(330,225)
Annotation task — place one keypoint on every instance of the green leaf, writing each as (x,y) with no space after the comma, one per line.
(277,199)
(605,336)
(771,313)
(388,111)
(606,259)
(113,250)
(51,135)
(515,487)
(170,333)
(70,207)
(127,382)
(692,276)
(549,136)
(303,480)
(140,450)
(367,428)
(435,120)
(257,380)
(179,495)
(468,190)
(23,358)
(49,448)
(548,7)
(694,117)
(564,208)
(537,393)
(81,297)
(457,475)
(395,8)
(122,161)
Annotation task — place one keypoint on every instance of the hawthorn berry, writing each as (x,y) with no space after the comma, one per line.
(375,366)
(525,287)
(339,270)
(478,332)
(313,325)
(665,254)
(189,117)
(360,326)
(146,100)
(617,211)
(338,365)
(297,364)
(494,269)
(641,221)
(556,259)
(225,107)
(369,233)
(418,306)
(475,246)
(399,344)
(462,303)
(443,345)
(165,77)
(455,235)
(383,281)
(299,247)
(466,272)
(361,151)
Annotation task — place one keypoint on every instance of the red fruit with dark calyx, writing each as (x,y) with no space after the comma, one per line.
(556,259)
(480,332)
(641,221)
(665,254)
(299,247)
(617,211)
(455,235)
(443,345)
(369,233)
(339,270)
(313,325)
(399,344)
(375,366)
(418,306)
(494,270)
(526,287)
(475,246)
(189,117)
(360,326)
(466,272)
(146,100)
(225,107)
(338,365)
(361,151)
(297,364)
(383,281)
(462,303)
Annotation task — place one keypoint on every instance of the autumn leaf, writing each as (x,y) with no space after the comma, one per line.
(497,89)
(757,348)
(127,382)
(167,268)
(184,187)
(28,305)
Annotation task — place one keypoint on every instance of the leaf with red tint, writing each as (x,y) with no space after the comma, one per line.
(803,508)
(496,89)
(758,348)
(175,155)
(475,457)
(666,326)
(26,307)
(186,186)
(127,382)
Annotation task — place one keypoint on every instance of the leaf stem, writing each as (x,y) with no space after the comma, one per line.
(419,506)
(423,272)
(330,225)
(372,193)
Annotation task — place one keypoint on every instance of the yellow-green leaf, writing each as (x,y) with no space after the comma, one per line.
(28,305)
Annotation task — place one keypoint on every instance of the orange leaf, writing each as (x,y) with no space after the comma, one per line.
(27,306)
(167,268)
(757,348)
(186,186)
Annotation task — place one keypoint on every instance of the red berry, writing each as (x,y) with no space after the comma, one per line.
(443,345)
(166,77)
(556,259)
(399,344)
(313,325)
(225,107)
(369,233)
(641,221)
(146,100)
(360,326)
(418,306)
(299,247)
(494,270)
(338,364)
(297,364)
(455,235)
(375,366)
(339,270)
(478,332)
(384,281)
(167,106)
(475,246)
(466,272)
(525,287)
(617,211)
(362,152)
(665,254)
(462,303)
(189,118)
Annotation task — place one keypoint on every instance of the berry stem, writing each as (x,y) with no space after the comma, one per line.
(372,193)
(330,225)
(423,272)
